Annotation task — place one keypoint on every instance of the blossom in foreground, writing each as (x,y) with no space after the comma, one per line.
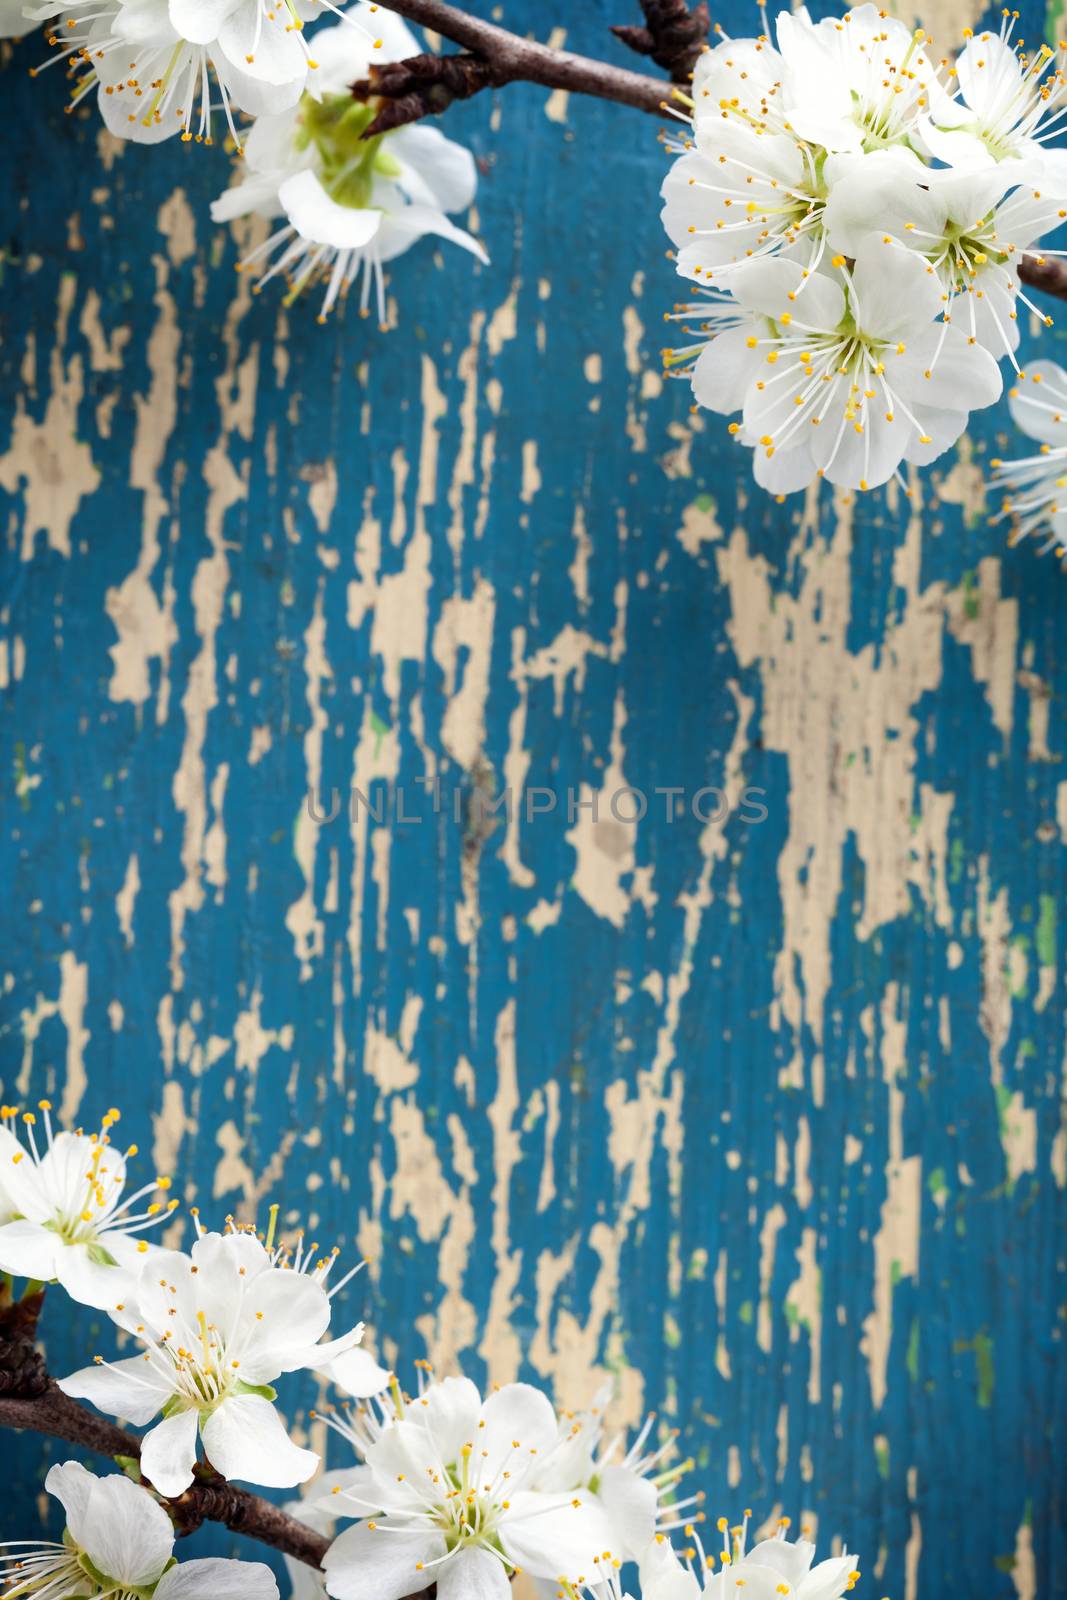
(774,1569)
(349,205)
(218,1326)
(14,23)
(163,66)
(744,185)
(859,82)
(1035,486)
(1008,106)
(62,1212)
(972,227)
(841,374)
(119,1545)
(446,1496)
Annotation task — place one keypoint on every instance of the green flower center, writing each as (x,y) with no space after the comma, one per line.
(349,164)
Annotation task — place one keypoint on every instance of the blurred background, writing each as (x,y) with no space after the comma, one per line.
(759,1116)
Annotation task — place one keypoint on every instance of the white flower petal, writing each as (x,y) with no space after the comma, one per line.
(245,1438)
(473,1575)
(130,1389)
(1038,405)
(958,371)
(829,1579)
(446,171)
(213,1579)
(725,368)
(72,1484)
(356,1372)
(263,46)
(551,1536)
(128,1536)
(785,471)
(27,1250)
(516,1414)
(664,1578)
(897,291)
(168,1453)
(290,1312)
(14,24)
(321,220)
(401,229)
(789,1559)
(89,1282)
(449,1412)
(200,21)
(382,1564)
(631,1502)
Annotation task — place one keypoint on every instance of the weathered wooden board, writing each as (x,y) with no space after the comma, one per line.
(763,1118)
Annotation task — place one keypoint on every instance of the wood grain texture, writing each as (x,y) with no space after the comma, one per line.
(763,1120)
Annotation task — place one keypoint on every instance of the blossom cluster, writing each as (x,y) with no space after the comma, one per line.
(440,1486)
(346,204)
(853,214)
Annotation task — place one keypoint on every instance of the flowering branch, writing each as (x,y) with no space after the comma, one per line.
(673,36)
(31,1400)
(211,1500)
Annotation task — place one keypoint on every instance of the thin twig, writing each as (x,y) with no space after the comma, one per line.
(427,85)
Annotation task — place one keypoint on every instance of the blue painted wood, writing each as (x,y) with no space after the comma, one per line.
(769,1113)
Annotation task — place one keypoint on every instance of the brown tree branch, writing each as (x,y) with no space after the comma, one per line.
(427,85)
(423,86)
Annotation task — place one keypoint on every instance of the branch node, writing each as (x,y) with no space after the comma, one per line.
(424,86)
(673,36)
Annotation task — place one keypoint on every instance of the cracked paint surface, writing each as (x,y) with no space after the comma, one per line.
(763,1119)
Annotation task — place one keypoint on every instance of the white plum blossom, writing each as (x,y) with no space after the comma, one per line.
(447,1496)
(62,1212)
(1035,486)
(774,1569)
(162,67)
(1008,106)
(971,226)
(744,185)
(818,157)
(218,1326)
(119,1545)
(859,82)
(841,374)
(349,204)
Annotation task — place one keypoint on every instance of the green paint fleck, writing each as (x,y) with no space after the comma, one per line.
(912,1358)
(379,730)
(982,1346)
(745,1312)
(881,1454)
(970,596)
(1045,936)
